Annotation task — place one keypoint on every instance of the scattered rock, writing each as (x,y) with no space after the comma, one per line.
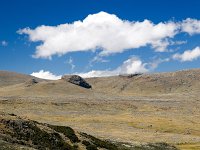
(31,82)
(17,133)
(77,80)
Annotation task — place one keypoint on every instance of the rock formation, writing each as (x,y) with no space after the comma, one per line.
(77,80)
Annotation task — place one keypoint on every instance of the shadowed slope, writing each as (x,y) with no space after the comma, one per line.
(17,133)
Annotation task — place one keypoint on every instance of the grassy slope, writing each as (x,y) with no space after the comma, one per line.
(184,82)
(167,118)
(17,133)
(150,84)
(11,78)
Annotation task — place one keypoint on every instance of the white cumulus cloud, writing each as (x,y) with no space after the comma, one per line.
(191,26)
(100,31)
(188,55)
(130,66)
(45,75)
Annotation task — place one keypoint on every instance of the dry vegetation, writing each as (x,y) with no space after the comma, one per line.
(147,108)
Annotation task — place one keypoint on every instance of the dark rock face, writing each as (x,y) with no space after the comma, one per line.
(77,80)
(130,75)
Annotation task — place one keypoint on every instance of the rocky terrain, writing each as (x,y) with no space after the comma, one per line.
(18,133)
(134,109)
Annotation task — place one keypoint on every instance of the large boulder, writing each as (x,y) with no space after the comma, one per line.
(77,80)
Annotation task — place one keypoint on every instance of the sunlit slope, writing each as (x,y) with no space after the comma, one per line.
(44,88)
(181,82)
(187,81)
(10,78)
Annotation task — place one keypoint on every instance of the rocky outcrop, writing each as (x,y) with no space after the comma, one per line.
(31,82)
(18,132)
(77,80)
(130,75)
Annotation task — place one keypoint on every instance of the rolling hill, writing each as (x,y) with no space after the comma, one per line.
(185,82)
(137,109)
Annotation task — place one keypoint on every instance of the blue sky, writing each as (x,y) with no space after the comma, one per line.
(98,45)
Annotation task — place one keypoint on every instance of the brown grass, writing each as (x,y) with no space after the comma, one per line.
(142,109)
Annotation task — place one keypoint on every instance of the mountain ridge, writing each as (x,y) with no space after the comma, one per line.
(185,81)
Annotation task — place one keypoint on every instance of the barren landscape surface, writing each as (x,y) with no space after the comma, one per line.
(136,109)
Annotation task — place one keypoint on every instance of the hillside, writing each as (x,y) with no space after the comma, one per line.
(11,78)
(20,133)
(185,82)
(133,109)
(149,84)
